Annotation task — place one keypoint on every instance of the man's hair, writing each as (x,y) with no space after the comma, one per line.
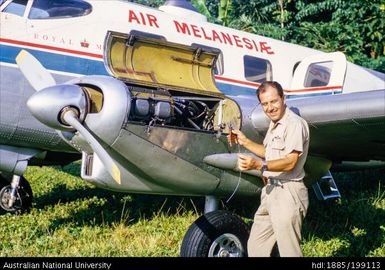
(263,87)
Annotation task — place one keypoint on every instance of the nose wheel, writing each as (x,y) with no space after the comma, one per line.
(22,198)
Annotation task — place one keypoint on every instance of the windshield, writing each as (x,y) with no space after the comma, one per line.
(46,9)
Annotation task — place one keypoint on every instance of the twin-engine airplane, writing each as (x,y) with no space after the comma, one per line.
(148,97)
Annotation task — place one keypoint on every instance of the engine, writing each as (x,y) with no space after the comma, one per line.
(173,111)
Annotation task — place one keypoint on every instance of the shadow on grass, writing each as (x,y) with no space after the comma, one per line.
(354,218)
(113,207)
(119,206)
(107,207)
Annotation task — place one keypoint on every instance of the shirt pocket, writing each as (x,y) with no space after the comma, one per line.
(278,144)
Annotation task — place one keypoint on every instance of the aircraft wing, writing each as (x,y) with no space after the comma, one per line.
(345,127)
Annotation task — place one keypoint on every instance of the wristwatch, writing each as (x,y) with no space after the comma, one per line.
(264,166)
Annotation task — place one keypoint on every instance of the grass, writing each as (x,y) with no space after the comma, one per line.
(354,226)
(71,218)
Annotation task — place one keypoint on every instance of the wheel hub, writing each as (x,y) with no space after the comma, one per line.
(5,196)
(226,245)
(223,253)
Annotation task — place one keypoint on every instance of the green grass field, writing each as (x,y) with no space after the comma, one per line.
(72,218)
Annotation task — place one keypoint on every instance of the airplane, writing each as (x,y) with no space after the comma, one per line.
(147,97)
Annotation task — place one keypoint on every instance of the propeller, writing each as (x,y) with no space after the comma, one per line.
(33,71)
(70,116)
(47,105)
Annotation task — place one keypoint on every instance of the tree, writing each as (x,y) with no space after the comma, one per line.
(354,27)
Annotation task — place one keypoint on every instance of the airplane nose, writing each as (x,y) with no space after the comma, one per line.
(48,104)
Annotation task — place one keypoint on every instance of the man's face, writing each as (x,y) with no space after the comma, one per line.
(273,105)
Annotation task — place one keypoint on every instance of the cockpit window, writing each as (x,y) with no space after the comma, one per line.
(16,7)
(318,74)
(46,9)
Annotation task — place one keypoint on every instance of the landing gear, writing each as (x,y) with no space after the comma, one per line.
(21,196)
(216,234)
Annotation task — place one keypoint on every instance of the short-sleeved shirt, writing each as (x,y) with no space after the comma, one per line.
(290,133)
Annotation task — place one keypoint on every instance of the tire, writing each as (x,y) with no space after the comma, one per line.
(23,201)
(216,234)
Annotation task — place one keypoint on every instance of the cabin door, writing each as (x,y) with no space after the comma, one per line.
(319,74)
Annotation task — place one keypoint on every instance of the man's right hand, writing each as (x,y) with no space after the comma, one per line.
(236,136)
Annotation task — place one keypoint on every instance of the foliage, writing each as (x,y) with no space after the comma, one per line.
(224,11)
(202,8)
(354,27)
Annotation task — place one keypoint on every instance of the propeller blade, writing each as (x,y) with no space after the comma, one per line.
(71,118)
(33,71)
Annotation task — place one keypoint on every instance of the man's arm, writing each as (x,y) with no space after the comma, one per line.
(253,147)
(285,164)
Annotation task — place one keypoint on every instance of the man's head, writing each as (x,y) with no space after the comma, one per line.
(270,94)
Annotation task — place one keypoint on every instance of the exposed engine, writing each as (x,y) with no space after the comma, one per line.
(179,111)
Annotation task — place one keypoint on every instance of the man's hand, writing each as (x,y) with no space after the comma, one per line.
(232,137)
(246,163)
(237,137)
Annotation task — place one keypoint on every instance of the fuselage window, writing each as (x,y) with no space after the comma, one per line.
(318,74)
(257,69)
(16,7)
(47,9)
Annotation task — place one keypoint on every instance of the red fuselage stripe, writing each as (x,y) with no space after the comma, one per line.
(237,81)
(289,91)
(40,46)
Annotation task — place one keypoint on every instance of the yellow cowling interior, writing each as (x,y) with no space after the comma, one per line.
(162,64)
(154,62)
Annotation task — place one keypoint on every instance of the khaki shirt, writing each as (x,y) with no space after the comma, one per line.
(290,133)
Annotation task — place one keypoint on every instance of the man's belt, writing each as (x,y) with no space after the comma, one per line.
(278,182)
(271,183)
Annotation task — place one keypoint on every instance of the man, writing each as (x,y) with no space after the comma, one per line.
(284,199)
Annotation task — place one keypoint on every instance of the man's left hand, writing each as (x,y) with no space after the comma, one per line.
(246,163)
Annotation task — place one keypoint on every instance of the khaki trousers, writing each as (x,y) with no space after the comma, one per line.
(279,219)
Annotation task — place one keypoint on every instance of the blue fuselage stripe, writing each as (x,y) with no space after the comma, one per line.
(56,61)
